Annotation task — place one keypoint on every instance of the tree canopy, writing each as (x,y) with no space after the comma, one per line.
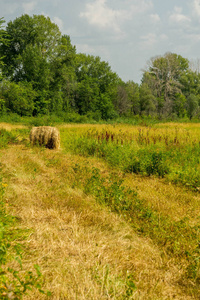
(169,78)
(41,73)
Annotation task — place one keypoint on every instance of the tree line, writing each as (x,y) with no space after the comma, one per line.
(41,73)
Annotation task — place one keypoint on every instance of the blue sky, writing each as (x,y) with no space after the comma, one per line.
(126,33)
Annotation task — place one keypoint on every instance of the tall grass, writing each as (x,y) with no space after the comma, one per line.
(170,153)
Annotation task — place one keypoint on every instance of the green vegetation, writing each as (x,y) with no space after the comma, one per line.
(171,154)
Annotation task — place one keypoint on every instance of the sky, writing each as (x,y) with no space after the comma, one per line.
(125,33)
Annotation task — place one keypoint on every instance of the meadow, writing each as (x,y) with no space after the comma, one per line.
(113,214)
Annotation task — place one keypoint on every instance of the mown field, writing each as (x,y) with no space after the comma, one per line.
(113,214)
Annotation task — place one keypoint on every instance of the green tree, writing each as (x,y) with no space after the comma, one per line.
(29,55)
(122,102)
(147,100)
(33,44)
(163,76)
(179,105)
(106,107)
(190,82)
(39,54)
(133,93)
(96,85)
(87,96)
(18,98)
(63,84)
(192,105)
(3,41)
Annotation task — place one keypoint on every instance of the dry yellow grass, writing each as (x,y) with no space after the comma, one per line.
(84,250)
(179,125)
(168,199)
(161,133)
(9,127)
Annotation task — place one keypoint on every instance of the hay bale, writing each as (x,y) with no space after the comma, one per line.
(45,136)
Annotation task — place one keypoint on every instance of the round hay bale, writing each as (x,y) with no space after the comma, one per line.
(45,136)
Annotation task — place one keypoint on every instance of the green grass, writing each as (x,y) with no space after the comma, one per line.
(73,117)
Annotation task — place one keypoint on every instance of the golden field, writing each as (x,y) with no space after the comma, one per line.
(88,249)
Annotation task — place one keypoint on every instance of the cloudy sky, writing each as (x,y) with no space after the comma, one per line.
(126,33)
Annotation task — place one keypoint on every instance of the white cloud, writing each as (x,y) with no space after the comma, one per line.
(196,6)
(194,37)
(99,14)
(155,18)
(29,7)
(59,22)
(141,6)
(152,40)
(148,40)
(9,8)
(177,17)
(163,37)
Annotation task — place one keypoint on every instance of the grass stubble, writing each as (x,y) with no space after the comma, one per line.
(84,250)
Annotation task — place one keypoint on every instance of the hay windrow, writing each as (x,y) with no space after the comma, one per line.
(45,136)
